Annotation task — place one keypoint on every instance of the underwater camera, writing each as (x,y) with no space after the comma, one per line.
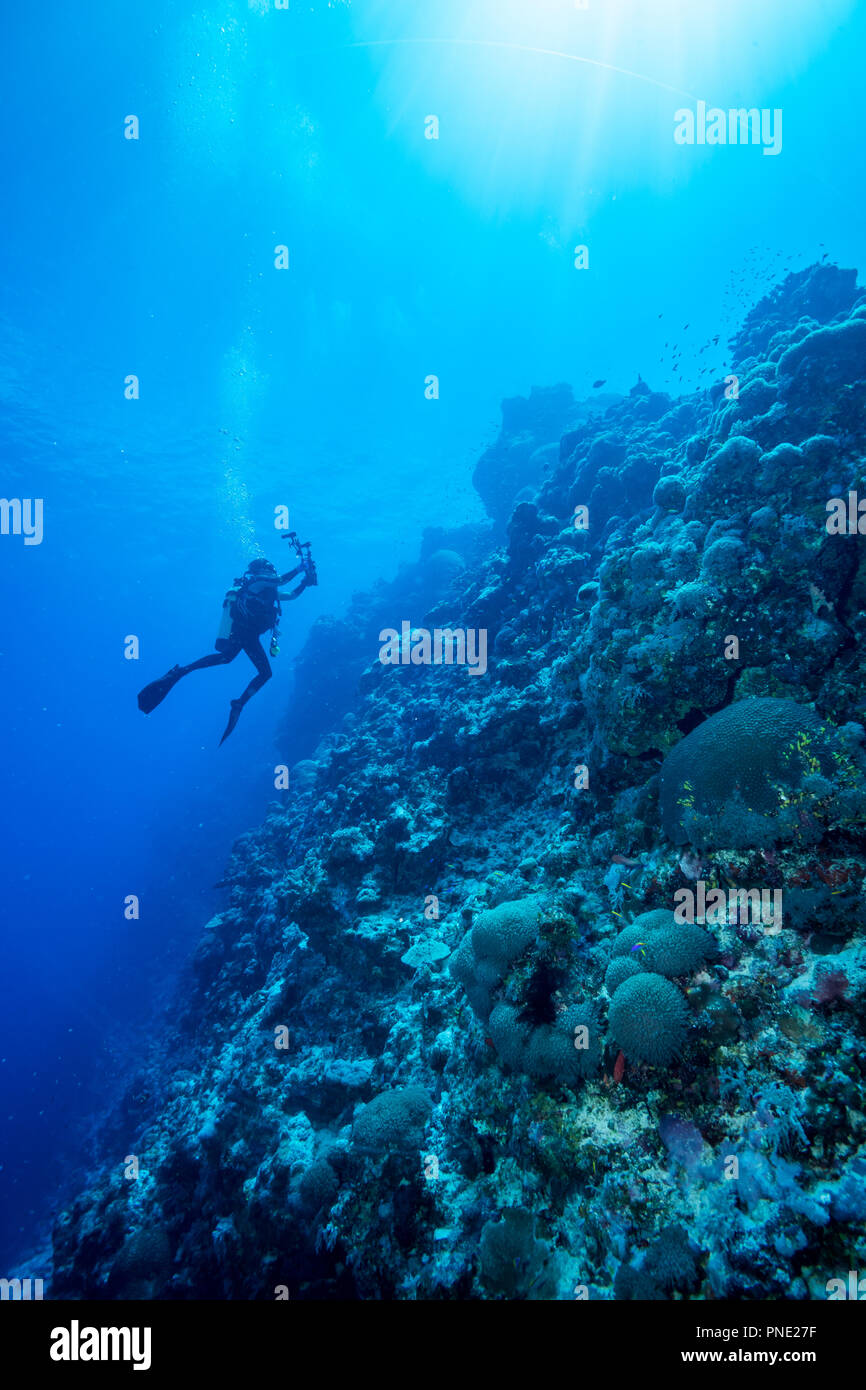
(302,550)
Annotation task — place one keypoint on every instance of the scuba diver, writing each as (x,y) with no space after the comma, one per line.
(251,607)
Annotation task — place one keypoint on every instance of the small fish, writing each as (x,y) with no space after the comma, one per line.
(619,1067)
(601,382)
(622,859)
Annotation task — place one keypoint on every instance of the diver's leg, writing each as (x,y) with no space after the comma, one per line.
(253,649)
(256,654)
(154,694)
(222,658)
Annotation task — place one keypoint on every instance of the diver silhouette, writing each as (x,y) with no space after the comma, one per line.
(251,607)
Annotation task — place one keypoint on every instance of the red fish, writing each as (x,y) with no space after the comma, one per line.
(619,1067)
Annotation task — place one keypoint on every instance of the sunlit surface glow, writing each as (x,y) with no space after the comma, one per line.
(526,48)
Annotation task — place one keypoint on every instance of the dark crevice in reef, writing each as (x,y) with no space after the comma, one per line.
(691,720)
(693,717)
(850,575)
(371,1086)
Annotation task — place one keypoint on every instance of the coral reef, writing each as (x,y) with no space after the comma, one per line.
(674,704)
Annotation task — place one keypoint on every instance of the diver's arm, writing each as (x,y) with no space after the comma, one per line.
(295,593)
(284,578)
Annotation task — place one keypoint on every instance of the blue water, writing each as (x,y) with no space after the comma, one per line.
(306,387)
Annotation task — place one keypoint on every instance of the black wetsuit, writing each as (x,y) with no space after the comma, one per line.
(255,613)
(243,639)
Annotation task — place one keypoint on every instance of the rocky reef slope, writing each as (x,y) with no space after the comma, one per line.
(448,1040)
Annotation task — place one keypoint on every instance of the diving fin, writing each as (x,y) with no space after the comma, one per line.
(237,706)
(154,694)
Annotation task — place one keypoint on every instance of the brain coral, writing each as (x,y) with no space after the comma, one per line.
(630,937)
(648,1019)
(394,1120)
(657,942)
(621,968)
(670,1260)
(502,933)
(512,1260)
(499,936)
(508,1035)
(477,977)
(640,929)
(738,779)
(552,1047)
(668,1264)
(319,1186)
(548,1050)
(142,1265)
(677,949)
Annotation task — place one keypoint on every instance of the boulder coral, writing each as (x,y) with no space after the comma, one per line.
(754,773)
(648,1019)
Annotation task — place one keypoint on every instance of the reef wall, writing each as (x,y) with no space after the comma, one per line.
(490,1011)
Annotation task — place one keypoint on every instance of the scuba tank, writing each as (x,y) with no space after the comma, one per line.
(246,606)
(225,627)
